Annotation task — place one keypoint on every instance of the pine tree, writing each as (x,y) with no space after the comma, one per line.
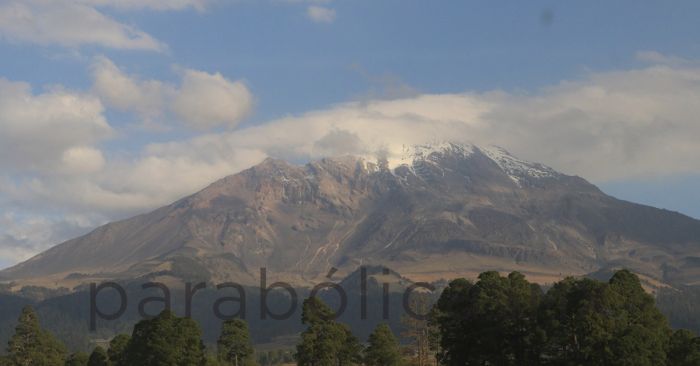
(594,323)
(383,349)
(451,316)
(684,349)
(325,342)
(117,350)
(98,357)
(166,340)
(491,322)
(234,346)
(643,335)
(213,360)
(350,349)
(78,359)
(31,346)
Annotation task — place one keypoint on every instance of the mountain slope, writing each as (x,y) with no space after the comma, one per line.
(437,212)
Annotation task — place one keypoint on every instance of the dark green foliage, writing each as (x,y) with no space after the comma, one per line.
(451,315)
(234,346)
(66,316)
(350,348)
(166,340)
(684,349)
(491,322)
(78,359)
(325,342)
(98,357)
(33,346)
(592,323)
(117,350)
(643,333)
(496,321)
(383,348)
(507,321)
(212,361)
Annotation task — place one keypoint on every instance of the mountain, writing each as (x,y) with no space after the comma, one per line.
(439,211)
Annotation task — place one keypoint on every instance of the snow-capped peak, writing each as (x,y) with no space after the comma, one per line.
(431,152)
(415,158)
(517,169)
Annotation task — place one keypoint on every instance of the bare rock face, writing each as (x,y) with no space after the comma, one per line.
(438,212)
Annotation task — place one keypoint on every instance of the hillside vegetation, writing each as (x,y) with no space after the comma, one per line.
(497,320)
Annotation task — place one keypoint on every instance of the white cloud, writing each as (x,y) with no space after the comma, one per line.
(23,237)
(210,100)
(128,93)
(69,23)
(654,57)
(74,23)
(607,126)
(614,125)
(149,4)
(82,160)
(202,100)
(36,130)
(320,14)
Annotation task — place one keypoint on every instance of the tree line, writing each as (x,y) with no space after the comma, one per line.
(496,320)
(164,340)
(508,321)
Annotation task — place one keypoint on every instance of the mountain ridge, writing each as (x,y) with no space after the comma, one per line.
(437,211)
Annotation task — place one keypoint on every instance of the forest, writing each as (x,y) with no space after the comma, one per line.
(495,320)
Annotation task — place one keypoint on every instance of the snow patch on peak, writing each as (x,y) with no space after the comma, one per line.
(367,165)
(426,151)
(430,153)
(416,158)
(517,169)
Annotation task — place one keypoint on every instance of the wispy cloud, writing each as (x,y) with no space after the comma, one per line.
(202,101)
(74,23)
(150,4)
(38,129)
(320,14)
(654,57)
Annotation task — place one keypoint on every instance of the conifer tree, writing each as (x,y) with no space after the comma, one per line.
(32,346)
(117,350)
(166,340)
(588,322)
(325,342)
(98,357)
(234,346)
(383,348)
(493,321)
(584,322)
(78,359)
(684,349)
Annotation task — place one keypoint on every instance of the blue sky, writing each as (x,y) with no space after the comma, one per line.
(294,65)
(532,71)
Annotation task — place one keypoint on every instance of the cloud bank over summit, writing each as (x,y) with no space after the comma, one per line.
(607,126)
